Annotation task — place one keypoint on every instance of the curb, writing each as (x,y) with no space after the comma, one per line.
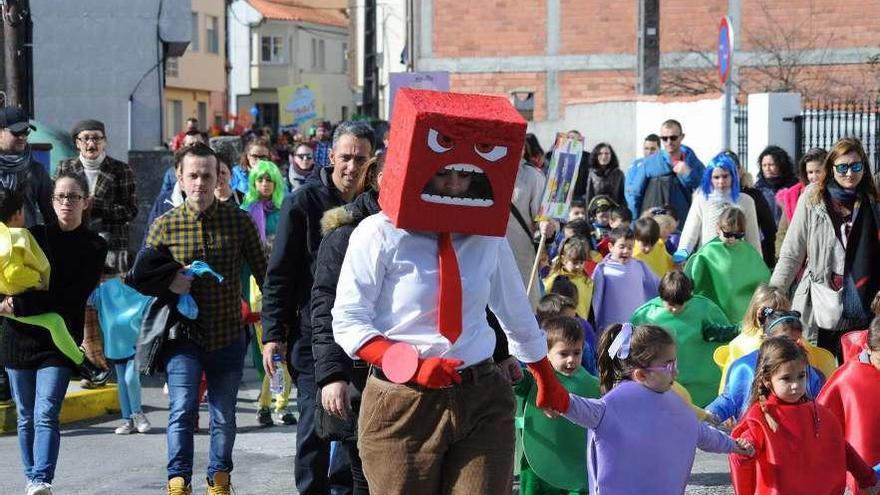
(78,405)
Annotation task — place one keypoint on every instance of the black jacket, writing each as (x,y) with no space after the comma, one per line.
(287,288)
(331,362)
(766,224)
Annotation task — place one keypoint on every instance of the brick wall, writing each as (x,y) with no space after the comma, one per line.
(494,28)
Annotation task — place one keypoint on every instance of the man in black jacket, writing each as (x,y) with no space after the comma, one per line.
(286,314)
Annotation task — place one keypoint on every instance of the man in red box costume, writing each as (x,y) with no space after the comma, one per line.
(436,415)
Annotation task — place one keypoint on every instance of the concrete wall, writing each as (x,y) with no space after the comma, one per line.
(89,56)
(149,169)
(625,123)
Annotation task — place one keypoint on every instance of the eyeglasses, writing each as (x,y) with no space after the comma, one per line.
(669,367)
(843,168)
(733,235)
(358,159)
(93,139)
(657,211)
(22,133)
(304,156)
(259,157)
(670,138)
(67,198)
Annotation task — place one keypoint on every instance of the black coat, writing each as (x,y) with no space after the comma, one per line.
(766,223)
(331,362)
(287,288)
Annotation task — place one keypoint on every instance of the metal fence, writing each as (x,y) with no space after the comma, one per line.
(822,123)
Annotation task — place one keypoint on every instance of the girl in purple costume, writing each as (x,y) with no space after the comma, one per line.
(642,436)
(621,283)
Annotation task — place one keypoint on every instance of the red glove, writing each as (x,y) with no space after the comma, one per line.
(551,394)
(433,372)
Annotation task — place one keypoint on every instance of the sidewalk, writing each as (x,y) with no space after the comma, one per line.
(79,404)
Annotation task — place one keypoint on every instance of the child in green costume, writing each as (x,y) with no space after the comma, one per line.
(726,269)
(698,326)
(554,459)
(24,266)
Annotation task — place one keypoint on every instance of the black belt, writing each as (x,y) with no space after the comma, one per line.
(471,374)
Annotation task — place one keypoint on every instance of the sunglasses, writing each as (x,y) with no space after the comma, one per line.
(733,235)
(843,168)
(304,156)
(22,133)
(669,138)
(669,367)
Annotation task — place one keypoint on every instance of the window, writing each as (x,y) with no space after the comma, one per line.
(194,40)
(344,58)
(202,109)
(271,49)
(171,69)
(317,53)
(176,115)
(212,34)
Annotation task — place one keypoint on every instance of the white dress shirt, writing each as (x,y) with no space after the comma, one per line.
(389,286)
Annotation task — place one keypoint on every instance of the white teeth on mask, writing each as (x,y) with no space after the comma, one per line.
(449,200)
(464,167)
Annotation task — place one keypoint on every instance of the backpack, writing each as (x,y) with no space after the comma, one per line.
(659,192)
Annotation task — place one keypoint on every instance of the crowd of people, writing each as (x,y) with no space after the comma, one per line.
(679,305)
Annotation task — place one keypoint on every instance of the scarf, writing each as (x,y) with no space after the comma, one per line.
(93,164)
(259,210)
(862,268)
(13,167)
(717,196)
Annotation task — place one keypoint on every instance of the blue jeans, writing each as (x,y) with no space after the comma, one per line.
(184,364)
(38,397)
(129,389)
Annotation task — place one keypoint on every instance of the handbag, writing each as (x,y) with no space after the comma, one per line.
(827,305)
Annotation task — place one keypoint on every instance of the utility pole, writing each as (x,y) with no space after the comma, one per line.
(11,16)
(371,69)
(648,50)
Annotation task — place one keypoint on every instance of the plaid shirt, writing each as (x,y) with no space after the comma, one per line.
(224,237)
(113,201)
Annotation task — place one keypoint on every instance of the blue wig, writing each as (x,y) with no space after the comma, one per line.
(721,160)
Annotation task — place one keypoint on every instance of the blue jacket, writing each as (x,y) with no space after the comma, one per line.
(658,165)
(734,401)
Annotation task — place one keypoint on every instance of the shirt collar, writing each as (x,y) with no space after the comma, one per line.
(195,215)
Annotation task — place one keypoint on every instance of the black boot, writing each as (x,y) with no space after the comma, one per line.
(92,373)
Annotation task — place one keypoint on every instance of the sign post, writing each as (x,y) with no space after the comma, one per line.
(724,64)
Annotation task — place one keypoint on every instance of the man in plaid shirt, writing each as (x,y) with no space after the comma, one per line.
(225,237)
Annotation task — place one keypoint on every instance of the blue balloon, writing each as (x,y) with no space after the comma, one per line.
(254,111)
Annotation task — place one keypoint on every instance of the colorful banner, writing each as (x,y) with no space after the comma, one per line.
(298,104)
(561,175)
(437,81)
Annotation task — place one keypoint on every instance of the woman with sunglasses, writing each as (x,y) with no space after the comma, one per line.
(834,230)
(726,269)
(302,162)
(719,188)
(256,150)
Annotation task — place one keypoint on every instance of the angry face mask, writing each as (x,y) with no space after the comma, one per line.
(452,162)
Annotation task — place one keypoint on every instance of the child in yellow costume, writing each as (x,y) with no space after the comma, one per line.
(23,267)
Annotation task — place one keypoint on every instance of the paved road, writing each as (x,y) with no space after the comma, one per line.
(94,460)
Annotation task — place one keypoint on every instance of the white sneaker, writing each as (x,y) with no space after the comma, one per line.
(141,423)
(127,427)
(39,488)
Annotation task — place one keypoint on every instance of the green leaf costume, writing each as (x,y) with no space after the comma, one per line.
(697,371)
(727,275)
(554,450)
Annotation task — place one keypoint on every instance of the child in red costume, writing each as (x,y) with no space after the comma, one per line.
(853,395)
(799,445)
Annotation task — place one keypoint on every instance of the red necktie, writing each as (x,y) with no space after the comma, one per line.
(449,316)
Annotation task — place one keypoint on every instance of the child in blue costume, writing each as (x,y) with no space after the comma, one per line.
(554,305)
(734,400)
(554,459)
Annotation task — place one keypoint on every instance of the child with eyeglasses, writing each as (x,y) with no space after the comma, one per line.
(726,269)
(719,188)
(642,435)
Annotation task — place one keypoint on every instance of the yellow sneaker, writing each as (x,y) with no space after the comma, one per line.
(178,486)
(221,485)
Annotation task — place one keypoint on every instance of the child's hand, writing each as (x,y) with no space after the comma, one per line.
(744,447)
(6,306)
(712,419)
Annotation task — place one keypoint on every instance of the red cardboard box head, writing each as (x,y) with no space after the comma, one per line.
(478,139)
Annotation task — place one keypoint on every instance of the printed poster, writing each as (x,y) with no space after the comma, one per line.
(561,176)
